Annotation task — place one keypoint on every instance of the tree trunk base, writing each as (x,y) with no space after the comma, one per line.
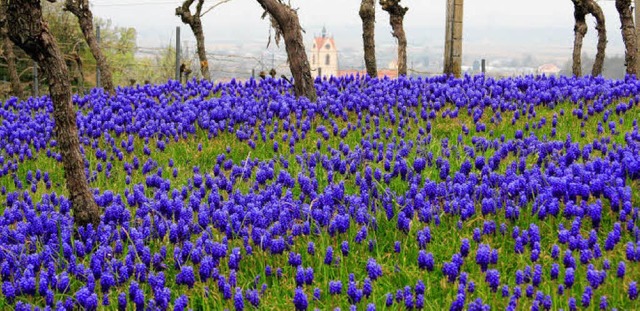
(30,33)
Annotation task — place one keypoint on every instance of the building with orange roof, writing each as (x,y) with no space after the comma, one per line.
(549,70)
(324,56)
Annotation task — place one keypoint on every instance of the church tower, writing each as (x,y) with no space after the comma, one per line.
(324,56)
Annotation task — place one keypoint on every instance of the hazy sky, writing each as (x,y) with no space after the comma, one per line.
(240,20)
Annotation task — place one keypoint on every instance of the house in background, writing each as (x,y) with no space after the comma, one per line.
(324,56)
(323,59)
(548,70)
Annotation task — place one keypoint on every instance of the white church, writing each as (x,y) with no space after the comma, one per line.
(324,56)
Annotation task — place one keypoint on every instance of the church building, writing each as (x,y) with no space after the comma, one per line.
(323,56)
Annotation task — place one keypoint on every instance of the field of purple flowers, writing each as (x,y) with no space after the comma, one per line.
(423,193)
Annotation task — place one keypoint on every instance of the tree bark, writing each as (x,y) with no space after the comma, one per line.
(581,9)
(288,24)
(636,7)
(195,23)
(79,74)
(31,33)
(10,57)
(368,16)
(396,20)
(628,30)
(594,9)
(16,86)
(80,8)
(579,30)
(14,78)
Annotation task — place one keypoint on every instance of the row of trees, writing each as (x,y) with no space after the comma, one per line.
(285,22)
(60,30)
(117,45)
(30,32)
(78,54)
(582,8)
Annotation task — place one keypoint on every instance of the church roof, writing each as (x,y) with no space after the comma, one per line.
(320,42)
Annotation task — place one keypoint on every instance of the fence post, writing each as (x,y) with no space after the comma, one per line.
(98,82)
(35,79)
(178,54)
(483,66)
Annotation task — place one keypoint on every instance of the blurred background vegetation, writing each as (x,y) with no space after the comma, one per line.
(117,43)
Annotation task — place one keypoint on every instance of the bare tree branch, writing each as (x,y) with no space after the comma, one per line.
(275,27)
(195,23)
(80,9)
(214,6)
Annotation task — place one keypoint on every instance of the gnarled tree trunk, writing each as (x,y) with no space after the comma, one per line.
(595,10)
(80,8)
(628,34)
(637,24)
(31,33)
(16,86)
(10,57)
(368,16)
(287,24)
(581,9)
(195,23)
(396,20)
(579,30)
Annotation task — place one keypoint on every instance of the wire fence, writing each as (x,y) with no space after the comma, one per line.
(149,64)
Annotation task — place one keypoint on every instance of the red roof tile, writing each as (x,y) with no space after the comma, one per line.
(320,42)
